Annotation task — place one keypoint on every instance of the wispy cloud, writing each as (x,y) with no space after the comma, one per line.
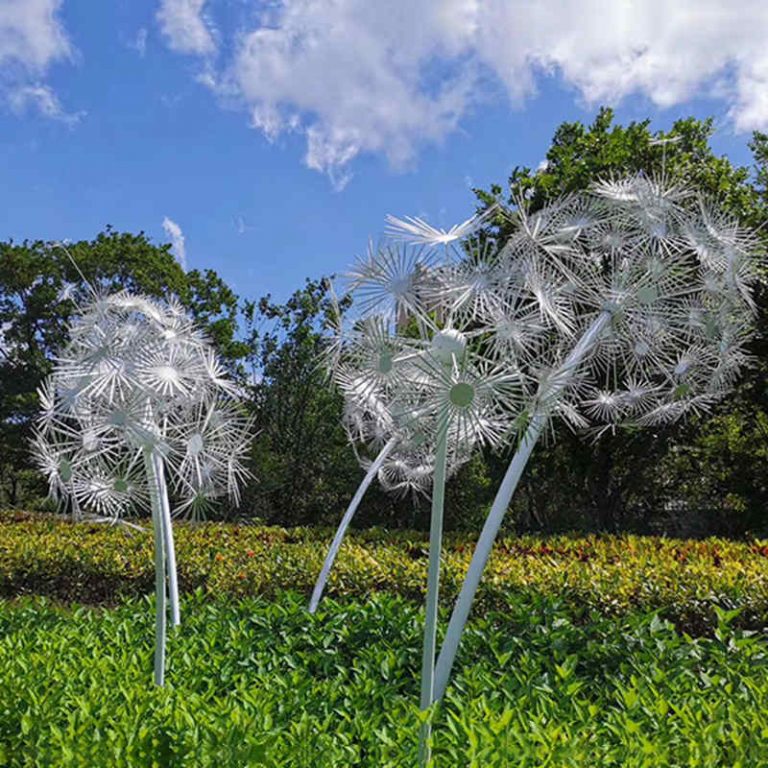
(185,27)
(42,100)
(176,236)
(241,225)
(31,34)
(357,76)
(139,43)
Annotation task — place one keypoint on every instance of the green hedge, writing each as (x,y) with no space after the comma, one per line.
(94,563)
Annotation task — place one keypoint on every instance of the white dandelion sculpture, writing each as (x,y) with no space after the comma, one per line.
(138,401)
(416,379)
(646,286)
(627,304)
(374,368)
(374,365)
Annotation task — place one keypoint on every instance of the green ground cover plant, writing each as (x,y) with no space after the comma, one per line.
(261,682)
(600,650)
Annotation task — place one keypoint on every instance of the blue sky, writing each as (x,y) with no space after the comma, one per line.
(126,113)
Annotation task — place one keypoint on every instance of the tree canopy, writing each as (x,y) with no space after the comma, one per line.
(705,475)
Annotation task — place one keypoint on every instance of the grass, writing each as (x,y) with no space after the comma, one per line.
(606,651)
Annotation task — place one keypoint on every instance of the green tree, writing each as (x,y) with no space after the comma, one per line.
(305,470)
(39,287)
(638,478)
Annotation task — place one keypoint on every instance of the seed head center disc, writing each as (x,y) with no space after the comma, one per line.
(195,444)
(385,363)
(65,470)
(121,485)
(462,394)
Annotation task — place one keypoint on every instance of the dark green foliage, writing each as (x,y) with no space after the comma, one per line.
(305,468)
(264,683)
(686,581)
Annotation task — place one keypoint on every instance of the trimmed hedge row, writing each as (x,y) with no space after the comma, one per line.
(94,563)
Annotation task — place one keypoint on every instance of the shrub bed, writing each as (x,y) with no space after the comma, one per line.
(683,579)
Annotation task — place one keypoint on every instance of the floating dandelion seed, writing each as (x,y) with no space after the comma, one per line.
(138,396)
(415,230)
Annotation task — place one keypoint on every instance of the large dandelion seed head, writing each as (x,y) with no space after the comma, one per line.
(137,377)
(629,303)
(419,376)
(672,272)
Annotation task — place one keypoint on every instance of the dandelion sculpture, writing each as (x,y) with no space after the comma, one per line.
(627,304)
(138,401)
(655,287)
(444,398)
(375,372)
(425,389)
(372,364)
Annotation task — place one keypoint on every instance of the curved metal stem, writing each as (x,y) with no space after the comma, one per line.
(504,495)
(160,591)
(170,548)
(482,553)
(166,580)
(333,551)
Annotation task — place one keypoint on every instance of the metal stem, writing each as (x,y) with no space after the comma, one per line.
(330,558)
(558,382)
(160,593)
(170,548)
(433,588)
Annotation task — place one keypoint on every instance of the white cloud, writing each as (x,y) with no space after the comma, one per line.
(32,38)
(178,249)
(184,25)
(241,225)
(41,99)
(359,76)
